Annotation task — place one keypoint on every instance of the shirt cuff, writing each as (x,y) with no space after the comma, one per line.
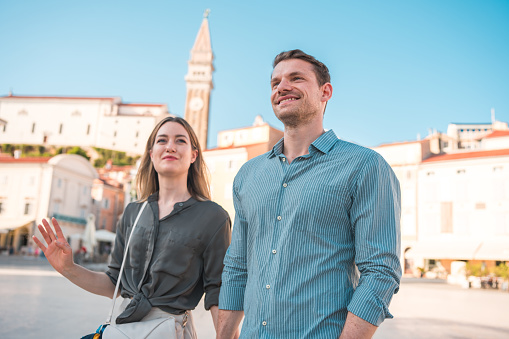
(231,298)
(367,306)
(211,298)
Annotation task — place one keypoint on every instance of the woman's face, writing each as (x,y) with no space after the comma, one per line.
(172,153)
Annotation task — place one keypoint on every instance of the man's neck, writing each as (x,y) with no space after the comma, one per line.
(298,139)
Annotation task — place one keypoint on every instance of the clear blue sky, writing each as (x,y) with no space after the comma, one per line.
(398,67)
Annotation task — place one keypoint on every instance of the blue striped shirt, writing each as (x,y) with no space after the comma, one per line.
(300,231)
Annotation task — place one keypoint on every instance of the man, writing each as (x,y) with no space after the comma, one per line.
(308,213)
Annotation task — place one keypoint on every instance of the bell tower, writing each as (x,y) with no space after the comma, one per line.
(199,82)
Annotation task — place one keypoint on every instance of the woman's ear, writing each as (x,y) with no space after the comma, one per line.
(194,155)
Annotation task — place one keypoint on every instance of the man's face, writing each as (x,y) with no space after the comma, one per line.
(296,97)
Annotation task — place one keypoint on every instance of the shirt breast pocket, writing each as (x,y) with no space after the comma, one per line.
(179,257)
(324,209)
(137,249)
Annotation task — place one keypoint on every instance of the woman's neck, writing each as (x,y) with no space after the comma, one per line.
(172,190)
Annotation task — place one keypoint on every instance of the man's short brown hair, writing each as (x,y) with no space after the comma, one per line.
(321,71)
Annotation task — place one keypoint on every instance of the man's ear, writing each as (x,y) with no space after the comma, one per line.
(326,92)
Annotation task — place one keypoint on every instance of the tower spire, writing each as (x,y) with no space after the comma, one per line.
(199,82)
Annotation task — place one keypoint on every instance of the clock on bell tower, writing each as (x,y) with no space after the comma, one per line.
(199,82)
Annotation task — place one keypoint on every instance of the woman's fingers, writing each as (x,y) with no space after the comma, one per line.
(49,230)
(44,234)
(39,243)
(60,234)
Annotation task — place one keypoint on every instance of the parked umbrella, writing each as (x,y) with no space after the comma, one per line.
(89,240)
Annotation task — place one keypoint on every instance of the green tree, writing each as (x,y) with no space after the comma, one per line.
(79,151)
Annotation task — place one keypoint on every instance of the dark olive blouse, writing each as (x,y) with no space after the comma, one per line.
(171,262)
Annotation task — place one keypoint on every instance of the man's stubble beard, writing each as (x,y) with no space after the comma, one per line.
(298,117)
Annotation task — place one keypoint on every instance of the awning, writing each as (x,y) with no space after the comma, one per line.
(454,249)
(106,236)
(100,235)
(493,250)
(13,223)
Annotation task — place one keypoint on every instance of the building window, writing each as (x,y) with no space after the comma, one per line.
(59,183)
(1,207)
(88,129)
(115,134)
(460,171)
(480,206)
(85,190)
(106,203)
(56,207)
(446,217)
(104,223)
(61,128)
(137,133)
(430,174)
(497,169)
(33,128)
(27,208)
(5,127)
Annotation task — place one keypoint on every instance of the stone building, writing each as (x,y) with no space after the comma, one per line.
(35,188)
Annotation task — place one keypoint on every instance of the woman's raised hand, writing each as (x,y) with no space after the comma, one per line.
(58,251)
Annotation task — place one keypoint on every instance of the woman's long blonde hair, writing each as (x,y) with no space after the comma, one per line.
(147,180)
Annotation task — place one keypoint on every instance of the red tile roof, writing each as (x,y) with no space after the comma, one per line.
(497,134)
(24,160)
(468,155)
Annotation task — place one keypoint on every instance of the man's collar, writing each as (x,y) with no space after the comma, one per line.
(277,149)
(323,143)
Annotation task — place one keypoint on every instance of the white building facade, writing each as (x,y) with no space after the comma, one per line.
(455,202)
(35,188)
(78,121)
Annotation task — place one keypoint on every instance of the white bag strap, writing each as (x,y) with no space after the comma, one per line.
(108,320)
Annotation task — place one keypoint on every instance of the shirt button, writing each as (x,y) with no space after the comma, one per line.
(284,159)
(285,184)
(267,286)
(274,251)
(181,204)
(278,217)
(264,323)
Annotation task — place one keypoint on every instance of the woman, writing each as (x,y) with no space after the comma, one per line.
(177,248)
